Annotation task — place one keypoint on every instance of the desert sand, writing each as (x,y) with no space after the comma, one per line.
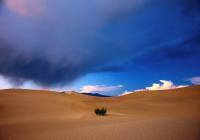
(148,115)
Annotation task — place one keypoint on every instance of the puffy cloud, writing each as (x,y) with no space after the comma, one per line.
(195,80)
(164,85)
(100,88)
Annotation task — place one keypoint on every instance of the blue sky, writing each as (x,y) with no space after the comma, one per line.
(121,45)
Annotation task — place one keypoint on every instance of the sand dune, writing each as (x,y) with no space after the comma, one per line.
(150,115)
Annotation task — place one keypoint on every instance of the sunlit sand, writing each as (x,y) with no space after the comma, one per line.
(150,115)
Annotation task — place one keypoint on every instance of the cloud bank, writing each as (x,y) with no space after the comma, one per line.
(55,42)
(4,83)
(163,85)
(99,88)
(195,80)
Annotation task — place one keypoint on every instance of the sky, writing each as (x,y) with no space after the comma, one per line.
(106,46)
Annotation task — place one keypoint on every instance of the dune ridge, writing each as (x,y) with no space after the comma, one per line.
(153,115)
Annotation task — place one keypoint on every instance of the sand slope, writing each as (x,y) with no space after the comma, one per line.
(44,115)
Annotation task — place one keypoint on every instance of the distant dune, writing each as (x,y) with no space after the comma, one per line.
(147,115)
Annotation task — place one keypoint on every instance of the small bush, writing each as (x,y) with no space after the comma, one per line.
(100,112)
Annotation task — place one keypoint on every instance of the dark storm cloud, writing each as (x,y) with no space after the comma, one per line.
(1,1)
(191,7)
(22,67)
(187,49)
(181,51)
(55,42)
(184,50)
(112,68)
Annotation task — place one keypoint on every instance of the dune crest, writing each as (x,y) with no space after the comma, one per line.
(154,115)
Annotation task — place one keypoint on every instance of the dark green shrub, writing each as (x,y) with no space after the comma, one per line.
(100,112)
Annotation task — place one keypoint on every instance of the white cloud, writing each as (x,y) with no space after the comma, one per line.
(100,88)
(126,93)
(195,80)
(4,83)
(138,90)
(130,92)
(30,85)
(164,85)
